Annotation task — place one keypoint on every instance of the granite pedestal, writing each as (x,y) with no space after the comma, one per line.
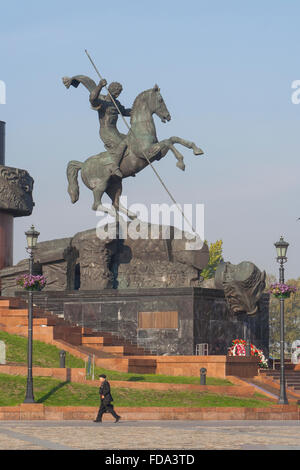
(164,320)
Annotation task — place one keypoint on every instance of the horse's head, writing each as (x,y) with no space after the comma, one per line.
(158,105)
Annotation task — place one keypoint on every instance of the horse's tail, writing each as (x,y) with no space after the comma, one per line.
(72,173)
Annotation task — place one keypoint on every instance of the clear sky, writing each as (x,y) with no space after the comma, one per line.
(225,69)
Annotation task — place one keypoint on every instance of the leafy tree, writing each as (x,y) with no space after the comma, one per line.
(215,258)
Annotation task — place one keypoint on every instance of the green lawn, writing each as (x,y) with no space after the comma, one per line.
(44,355)
(47,355)
(53,392)
(133,377)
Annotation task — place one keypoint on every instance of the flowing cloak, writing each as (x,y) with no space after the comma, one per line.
(77,79)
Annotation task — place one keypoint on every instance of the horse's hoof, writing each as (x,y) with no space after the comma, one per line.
(198,151)
(95,207)
(180,165)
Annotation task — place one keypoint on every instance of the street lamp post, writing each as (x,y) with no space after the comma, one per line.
(32,236)
(281,248)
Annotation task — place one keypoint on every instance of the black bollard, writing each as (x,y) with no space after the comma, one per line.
(203,376)
(62,359)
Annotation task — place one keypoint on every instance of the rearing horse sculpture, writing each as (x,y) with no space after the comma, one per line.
(142,148)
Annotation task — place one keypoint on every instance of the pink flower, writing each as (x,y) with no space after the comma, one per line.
(31,282)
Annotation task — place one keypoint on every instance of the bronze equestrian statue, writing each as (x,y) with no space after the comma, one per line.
(128,154)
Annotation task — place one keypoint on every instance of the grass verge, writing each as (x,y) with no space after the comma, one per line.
(53,392)
(133,377)
(44,355)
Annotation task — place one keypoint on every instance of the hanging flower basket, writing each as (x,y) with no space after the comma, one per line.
(282,291)
(31,282)
(238,348)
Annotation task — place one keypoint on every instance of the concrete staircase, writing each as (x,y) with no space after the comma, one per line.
(50,328)
(292,377)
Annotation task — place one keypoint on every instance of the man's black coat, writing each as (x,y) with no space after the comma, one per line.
(105,391)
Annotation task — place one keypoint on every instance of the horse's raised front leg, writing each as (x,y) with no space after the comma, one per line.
(167,145)
(186,143)
(180,163)
(160,149)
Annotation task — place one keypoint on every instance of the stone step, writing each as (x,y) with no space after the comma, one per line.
(23,312)
(86,331)
(20,306)
(9,315)
(122,350)
(276,373)
(292,378)
(13,312)
(41,311)
(12,302)
(277,377)
(41,333)
(111,350)
(100,342)
(286,376)
(289,381)
(99,333)
(92,340)
(108,334)
(23,321)
(287,366)
(71,334)
(108,338)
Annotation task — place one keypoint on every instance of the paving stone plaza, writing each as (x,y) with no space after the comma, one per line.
(160,435)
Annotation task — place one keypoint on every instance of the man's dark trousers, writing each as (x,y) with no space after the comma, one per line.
(106,409)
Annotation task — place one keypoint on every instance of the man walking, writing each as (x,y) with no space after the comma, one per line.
(106,399)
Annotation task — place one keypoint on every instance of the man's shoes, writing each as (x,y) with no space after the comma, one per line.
(97,421)
(118,419)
